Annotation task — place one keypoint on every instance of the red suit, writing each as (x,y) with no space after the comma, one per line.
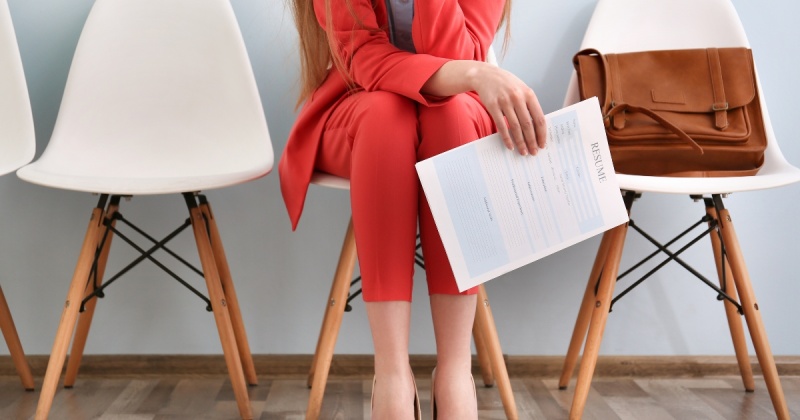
(374,134)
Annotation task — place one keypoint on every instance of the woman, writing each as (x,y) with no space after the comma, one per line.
(371,111)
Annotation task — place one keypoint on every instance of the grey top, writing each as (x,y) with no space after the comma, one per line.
(401,13)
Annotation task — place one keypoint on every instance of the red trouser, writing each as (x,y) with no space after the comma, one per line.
(374,139)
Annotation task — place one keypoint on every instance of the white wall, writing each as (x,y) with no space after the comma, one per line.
(283,277)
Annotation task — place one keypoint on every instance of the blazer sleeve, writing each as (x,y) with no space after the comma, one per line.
(456,29)
(370,58)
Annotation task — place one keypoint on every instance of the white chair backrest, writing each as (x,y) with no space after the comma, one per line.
(17,139)
(166,87)
(619,26)
(637,25)
(491,57)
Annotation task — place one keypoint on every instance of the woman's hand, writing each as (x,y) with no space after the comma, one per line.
(510,102)
(506,96)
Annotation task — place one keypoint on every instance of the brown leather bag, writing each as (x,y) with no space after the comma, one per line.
(678,112)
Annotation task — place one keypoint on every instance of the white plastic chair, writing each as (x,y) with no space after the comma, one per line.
(160,99)
(487,344)
(17,146)
(620,26)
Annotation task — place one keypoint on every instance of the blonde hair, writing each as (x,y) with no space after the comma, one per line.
(317,45)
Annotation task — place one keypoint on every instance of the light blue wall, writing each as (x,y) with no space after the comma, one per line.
(283,277)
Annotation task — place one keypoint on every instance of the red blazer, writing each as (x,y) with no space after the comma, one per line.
(443,30)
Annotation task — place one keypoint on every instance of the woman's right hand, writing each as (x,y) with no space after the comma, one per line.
(513,106)
(510,102)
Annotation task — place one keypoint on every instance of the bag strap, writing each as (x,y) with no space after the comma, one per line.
(720,105)
(658,118)
(610,108)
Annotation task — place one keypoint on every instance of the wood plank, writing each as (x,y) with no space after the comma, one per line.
(679,401)
(131,397)
(544,399)
(88,400)
(343,399)
(186,397)
(192,396)
(528,407)
(16,403)
(596,406)
(287,397)
(733,404)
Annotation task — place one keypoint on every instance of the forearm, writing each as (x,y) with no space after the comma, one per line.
(454,77)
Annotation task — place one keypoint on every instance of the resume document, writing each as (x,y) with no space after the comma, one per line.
(497,210)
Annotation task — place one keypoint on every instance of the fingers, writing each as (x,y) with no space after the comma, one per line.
(538,121)
(516,122)
(502,127)
(528,124)
(515,110)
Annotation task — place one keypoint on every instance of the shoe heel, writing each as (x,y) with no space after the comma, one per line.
(417,409)
(433,394)
(433,387)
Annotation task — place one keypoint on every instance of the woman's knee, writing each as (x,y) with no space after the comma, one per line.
(386,124)
(458,121)
(383,113)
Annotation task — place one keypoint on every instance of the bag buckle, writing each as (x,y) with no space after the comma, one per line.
(719,107)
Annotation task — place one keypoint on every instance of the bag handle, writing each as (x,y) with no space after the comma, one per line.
(609,108)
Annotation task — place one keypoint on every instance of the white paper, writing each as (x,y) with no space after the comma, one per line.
(497,210)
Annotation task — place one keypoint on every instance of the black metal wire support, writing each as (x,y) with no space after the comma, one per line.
(713,228)
(146,254)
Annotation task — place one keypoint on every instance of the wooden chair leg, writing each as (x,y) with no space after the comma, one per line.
(732,314)
(601,306)
(331,323)
(752,315)
(14,345)
(485,321)
(484,362)
(85,318)
(69,315)
(584,314)
(219,305)
(230,295)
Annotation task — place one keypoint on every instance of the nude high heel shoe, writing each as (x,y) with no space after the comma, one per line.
(417,409)
(433,399)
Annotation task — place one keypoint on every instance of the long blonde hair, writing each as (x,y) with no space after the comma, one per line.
(316,45)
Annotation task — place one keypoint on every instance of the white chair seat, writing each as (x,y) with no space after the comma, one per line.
(331,181)
(777,176)
(42,174)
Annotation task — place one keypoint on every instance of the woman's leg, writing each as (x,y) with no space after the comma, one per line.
(372,139)
(460,120)
(453,316)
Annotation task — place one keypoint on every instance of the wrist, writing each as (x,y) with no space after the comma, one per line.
(472,74)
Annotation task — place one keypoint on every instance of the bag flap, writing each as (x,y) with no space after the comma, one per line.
(670,80)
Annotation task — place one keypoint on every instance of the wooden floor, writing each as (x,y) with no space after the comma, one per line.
(210,397)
